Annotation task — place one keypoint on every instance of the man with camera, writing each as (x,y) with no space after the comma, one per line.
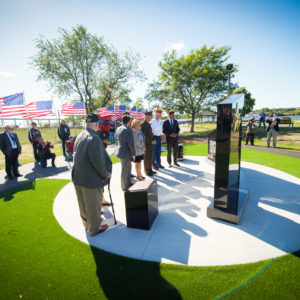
(44,152)
(33,136)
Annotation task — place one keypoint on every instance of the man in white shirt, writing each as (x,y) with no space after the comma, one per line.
(156,125)
(11,148)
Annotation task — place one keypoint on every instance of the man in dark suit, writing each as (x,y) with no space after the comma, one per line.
(11,148)
(171,130)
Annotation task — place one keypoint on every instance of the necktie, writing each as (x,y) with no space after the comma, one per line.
(13,139)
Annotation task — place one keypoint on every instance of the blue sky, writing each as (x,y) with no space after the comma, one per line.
(264,37)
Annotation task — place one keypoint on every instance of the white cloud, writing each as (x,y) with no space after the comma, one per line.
(177,46)
(6,74)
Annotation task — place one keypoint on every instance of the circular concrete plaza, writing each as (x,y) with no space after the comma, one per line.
(182,233)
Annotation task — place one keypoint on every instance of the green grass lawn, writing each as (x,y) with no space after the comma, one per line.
(38,260)
(288,137)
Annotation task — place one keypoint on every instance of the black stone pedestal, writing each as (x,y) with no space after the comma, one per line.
(141,204)
(180,152)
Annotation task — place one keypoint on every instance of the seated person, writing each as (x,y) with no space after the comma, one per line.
(44,152)
(70,147)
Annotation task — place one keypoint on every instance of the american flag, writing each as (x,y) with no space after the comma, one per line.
(113,111)
(133,112)
(140,114)
(75,109)
(39,109)
(108,111)
(12,106)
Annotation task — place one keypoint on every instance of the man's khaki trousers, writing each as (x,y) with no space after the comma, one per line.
(272,133)
(90,205)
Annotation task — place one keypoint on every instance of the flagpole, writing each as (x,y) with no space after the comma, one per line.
(27,123)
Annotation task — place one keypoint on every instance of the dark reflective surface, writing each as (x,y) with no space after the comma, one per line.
(227,156)
(142,205)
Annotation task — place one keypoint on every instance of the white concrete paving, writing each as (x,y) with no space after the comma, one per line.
(182,234)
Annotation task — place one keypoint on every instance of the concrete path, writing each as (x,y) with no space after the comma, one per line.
(280,151)
(182,233)
(32,171)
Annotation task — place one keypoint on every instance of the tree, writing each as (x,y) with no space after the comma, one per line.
(79,63)
(120,71)
(138,103)
(192,82)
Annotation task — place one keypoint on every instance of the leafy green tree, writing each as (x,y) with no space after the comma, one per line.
(138,103)
(120,72)
(83,65)
(193,82)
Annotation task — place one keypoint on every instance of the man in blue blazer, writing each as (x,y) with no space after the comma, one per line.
(11,148)
(171,130)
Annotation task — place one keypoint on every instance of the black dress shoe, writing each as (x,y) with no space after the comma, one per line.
(18,175)
(153,172)
(9,177)
(162,167)
(170,166)
(150,174)
(176,164)
(155,168)
(132,176)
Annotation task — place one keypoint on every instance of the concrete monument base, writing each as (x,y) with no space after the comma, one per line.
(182,233)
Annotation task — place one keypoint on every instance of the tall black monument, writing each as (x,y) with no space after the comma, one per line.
(229,198)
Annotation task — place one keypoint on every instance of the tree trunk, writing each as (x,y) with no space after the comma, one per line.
(193,120)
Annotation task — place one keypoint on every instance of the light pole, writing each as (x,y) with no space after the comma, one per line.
(229,68)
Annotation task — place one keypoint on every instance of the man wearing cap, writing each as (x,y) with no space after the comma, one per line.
(91,172)
(34,135)
(156,126)
(149,142)
(171,130)
(125,150)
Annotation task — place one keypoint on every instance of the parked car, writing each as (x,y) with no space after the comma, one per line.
(103,126)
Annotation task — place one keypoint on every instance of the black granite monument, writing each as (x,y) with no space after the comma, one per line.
(229,199)
(141,202)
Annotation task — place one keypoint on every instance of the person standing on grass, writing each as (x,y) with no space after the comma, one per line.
(250,132)
(156,125)
(63,132)
(125,151)
(149,142)
(91,172)
(272,130)
(11,148)
(139,142)
(171,130)
(262,119)
(34,135)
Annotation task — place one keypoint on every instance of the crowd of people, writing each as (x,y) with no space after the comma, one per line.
(136,142)
(272,129)
(92,168)
(11,147)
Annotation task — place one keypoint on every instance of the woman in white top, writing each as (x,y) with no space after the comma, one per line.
(139,142)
